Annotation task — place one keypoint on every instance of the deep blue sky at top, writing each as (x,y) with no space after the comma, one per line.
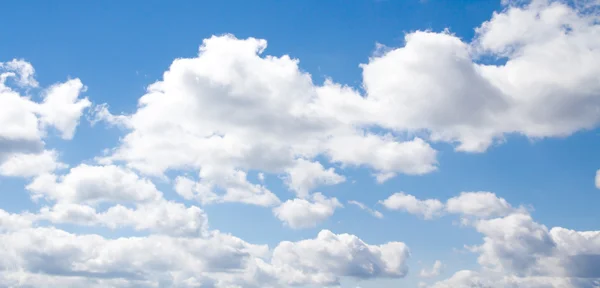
(117,48)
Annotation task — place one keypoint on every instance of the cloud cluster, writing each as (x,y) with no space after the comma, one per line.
(214,121)
(516,250)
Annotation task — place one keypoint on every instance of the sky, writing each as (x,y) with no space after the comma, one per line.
(369,143)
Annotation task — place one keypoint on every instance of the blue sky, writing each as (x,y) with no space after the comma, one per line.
(511,109)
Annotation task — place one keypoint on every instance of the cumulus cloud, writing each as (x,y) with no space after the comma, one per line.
(519,252)
(234,185)
(232,110)
(93,185)
(305,175)
(31,164)
(162,217)
(305,213)
(24,123)
(434,82)
(479,204)
(191,119)
(427,209)
(213,258)
(598,179)
(340,255)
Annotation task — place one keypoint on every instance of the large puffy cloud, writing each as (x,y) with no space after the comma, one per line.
(231,109)
(598,179)
(548,87)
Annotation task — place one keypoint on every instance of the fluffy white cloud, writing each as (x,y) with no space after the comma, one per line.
(306,175)
(191,119)
(31,164)
(428,209)
(434,272)
(598,179)
(234,183)
(479,204)
(548,86)
(24,123)
(163,217)
(384,154)
(339,255)
(95,184)
(23,119)
(61,107)
(231,111)
(364,207)
(157,260)
(35,254)
(305,213)
(519,252)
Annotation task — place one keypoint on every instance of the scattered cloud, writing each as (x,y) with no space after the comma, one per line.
(427,209)
(434,272)
(362,206)
(189,131)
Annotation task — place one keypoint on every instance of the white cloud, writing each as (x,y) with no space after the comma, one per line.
(306,213)
(31,164)
(163,217)
(10,221)
(20,69)
(434,272)
(479,204)
(35,254)
(547,88)
(364,207)
(306,175)
(519,252)
(191,119)
(598,179)
(339,255)
(24,123)
(384,154)
(236,186)
(61,107)
(428,209)
(190,123)
(95,184)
